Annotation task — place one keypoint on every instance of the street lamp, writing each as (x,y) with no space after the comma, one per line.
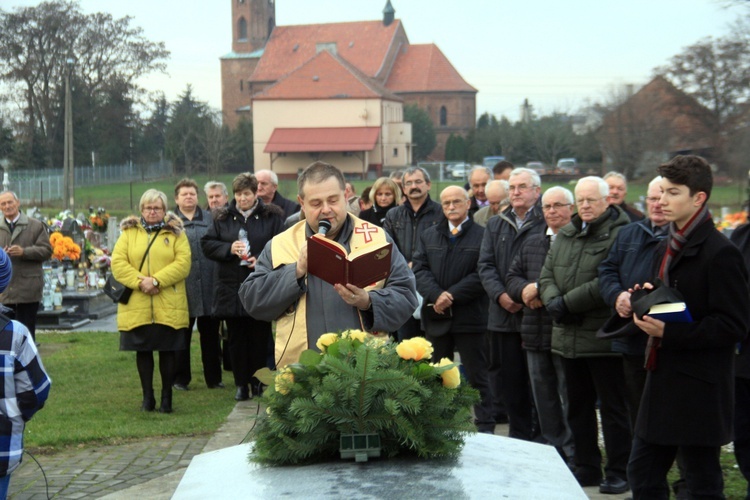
(68,164)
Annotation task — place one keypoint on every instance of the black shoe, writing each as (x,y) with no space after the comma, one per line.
(166,402)
(149,403)
(181,387)
(587,478)
(220,385)
(242,394)
(613,486)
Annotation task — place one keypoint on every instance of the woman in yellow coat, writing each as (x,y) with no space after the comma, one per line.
(156,316)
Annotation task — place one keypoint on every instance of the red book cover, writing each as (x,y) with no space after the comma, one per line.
(329,261)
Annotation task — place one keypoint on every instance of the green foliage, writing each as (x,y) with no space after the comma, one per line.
(456,148)
(361,387)
(422,132)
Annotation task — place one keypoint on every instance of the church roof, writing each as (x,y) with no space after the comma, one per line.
(365,44)
(424,68)
(326,76)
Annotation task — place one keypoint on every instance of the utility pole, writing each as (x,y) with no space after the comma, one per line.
(68,163)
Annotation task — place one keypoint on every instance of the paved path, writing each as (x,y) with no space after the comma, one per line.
(148,469)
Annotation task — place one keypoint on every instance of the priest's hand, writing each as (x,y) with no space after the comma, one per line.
(302,261)
(354,296)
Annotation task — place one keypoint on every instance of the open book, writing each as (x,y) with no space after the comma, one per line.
(675,312)
(329,261)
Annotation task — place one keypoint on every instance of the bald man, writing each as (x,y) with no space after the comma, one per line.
(455,308)
(497,197)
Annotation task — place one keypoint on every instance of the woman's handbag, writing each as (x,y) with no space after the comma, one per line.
(119,293)
(116,291)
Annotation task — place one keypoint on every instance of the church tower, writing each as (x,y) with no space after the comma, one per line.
(252,24)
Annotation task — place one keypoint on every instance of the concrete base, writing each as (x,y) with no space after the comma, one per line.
(489,467)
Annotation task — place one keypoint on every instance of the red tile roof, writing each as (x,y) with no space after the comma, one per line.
(326,76)
(310,140)
(424,68)
(365,44)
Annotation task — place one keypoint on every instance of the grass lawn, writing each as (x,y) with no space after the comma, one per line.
(96,396)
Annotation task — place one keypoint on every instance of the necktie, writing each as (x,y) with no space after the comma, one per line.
(454,231)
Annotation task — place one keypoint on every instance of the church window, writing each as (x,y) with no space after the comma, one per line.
(395,152)
(443,116)
(242,29)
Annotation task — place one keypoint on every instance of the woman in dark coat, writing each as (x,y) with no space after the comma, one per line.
(385,195)
(249,339)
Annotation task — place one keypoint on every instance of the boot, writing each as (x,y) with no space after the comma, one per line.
(242,394)
(166,401)
(149,403)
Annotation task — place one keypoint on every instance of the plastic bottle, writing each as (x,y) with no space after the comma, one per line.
(242,236)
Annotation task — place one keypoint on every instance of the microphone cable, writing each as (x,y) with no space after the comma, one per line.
(46,483)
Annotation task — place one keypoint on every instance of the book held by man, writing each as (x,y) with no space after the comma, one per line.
(675,312)
(364,266)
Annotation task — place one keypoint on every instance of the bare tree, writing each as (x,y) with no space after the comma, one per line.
(39,43)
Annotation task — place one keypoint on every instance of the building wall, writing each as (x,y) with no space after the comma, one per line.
(235,89)
(461,114)
(272,114)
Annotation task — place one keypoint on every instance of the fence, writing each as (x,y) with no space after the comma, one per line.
(40,186)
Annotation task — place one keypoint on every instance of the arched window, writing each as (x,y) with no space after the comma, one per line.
(242,29)
(443,116)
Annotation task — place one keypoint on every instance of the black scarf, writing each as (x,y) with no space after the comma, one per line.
(153,228)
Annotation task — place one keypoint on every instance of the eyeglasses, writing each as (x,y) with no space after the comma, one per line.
(152,209)
(457,203)
(556,206)
(418,182)
(653,200)
(590,201)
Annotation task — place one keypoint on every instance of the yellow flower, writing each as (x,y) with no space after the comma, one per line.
(451,377)
(355,334)
(417,348)
(325,340)
(284,381)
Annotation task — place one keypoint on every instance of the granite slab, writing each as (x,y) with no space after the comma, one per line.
(488,467)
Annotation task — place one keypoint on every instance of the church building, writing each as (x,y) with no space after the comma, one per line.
(336,91)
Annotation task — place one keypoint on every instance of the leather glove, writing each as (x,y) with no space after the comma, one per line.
(557,309)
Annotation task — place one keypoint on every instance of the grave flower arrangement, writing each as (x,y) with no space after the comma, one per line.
(364,385)
(64,247)
(98,219)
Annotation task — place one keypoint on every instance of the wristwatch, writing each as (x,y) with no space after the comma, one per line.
(156,283)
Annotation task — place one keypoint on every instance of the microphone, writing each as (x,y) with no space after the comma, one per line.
(323,227)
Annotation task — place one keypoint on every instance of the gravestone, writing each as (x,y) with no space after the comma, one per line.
(488,467)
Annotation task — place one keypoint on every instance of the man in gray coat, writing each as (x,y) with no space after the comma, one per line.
(303,305)
(26,241)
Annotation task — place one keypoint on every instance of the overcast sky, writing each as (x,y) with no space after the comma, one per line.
(556,54)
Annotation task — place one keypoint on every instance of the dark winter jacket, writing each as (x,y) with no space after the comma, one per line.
(630,261)
(571,272)
(502,241)
(376,214)
(263,224)
(688,399)
(536,324)
(288,206)
(444,262)
(741,238)
(405,226)
(200,282)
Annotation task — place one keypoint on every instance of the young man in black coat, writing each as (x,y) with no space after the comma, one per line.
(455,307)
(688,400)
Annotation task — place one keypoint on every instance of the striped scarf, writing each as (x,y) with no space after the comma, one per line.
(675,243)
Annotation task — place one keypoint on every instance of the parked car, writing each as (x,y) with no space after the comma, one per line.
(460,170)
(567,166)
(490,161)
(538,167)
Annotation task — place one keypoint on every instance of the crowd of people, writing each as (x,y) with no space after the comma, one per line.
(538,293)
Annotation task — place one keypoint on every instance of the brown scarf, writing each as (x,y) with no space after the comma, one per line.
(675,243)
